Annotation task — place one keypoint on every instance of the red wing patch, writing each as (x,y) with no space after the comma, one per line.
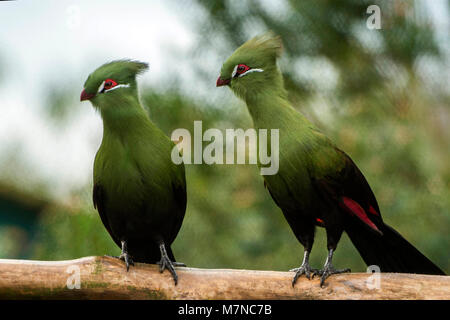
(354,208)
(373,211)
(320,222)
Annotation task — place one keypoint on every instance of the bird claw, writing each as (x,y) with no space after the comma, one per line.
(329,270)
(165,263)
(178,264)
(304,269)
(127,258)
(124,257)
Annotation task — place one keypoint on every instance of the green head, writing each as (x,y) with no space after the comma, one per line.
(252,68)
(111,82)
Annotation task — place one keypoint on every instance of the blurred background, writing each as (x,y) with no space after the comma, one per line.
(382,96)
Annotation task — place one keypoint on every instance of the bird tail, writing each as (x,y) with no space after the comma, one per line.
(390,251)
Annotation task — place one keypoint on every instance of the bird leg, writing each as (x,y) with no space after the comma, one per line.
(165,263)
(328,268)
(304,269)
(125,256)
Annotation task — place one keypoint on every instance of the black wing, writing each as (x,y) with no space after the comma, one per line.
(180,197)
(99,199)
(349,188)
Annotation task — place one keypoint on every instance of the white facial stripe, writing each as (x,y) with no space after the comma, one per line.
(234,71)
(251,70)
(102,86)
(118,86)
(233,74)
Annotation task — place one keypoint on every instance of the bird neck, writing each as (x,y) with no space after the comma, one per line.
(123,116)
(270,108)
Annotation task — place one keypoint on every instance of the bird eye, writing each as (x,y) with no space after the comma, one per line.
(109,83)
(242,68)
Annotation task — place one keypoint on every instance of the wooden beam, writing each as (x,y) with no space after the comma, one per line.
(107,278)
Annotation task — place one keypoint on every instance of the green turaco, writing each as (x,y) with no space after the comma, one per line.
(139,192)
(317,184)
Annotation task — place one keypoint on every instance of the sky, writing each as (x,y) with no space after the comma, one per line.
(57,44)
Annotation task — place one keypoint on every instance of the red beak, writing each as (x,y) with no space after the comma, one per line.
(86,96)
(222,82)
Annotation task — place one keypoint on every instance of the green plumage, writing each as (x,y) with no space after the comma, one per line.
(139,192)
(303,148)
(317,184)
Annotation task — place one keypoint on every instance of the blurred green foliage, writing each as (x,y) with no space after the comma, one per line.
(363,88)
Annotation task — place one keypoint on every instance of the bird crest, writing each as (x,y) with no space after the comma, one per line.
(114,75)
(252,68)
(259,52)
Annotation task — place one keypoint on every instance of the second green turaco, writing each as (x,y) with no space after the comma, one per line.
(317,184)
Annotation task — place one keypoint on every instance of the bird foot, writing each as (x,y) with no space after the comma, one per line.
(328,270)
(127,258)
(165,263)
(304,269)
(124,257)
(178,264)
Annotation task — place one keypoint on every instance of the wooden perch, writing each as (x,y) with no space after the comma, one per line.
(107,278)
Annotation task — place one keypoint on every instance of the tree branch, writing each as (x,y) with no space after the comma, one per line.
(107,278)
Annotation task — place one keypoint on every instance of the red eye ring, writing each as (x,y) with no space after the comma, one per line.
(109,83)
(242,68)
